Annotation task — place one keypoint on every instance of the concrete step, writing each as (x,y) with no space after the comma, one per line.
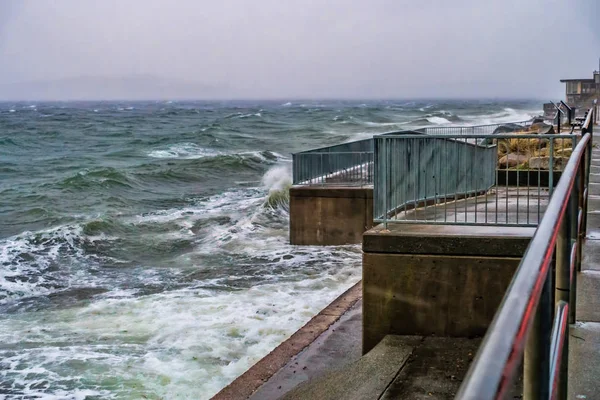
(584,361)
(591,255)
(588,300)
(594,188)
(367,378)
(399,367)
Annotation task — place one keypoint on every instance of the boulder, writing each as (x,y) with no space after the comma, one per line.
(507,128)
(544,163)
(512,160)
(541,128)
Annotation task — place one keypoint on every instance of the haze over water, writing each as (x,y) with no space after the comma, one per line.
(139,254)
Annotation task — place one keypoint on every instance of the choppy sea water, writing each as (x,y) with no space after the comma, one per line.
(139,254)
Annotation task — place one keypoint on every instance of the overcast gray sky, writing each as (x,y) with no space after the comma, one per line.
(300,48)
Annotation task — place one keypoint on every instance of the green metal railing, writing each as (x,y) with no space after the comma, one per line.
(352,163)
(347,163)
(530,327)
(502,179)
(489,129)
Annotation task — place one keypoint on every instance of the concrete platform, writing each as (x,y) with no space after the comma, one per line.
(499,205)
(480,240)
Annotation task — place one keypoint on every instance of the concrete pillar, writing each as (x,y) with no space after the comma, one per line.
(436,279)
(329,215)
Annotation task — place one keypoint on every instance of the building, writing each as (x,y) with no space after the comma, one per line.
(582,93)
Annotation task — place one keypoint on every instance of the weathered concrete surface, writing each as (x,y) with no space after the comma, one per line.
(336,348)
(588,299)
(431,295)
(329,215)
(584,361)
(435,370)
(399,367)
(366,378)
(252,379)
(459,240)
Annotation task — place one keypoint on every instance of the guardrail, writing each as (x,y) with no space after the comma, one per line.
(351,163)
(528,328)
(476,129)
(347,163)
(502,179)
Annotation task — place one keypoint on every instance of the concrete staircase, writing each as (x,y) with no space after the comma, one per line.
(584,339)
(399,367)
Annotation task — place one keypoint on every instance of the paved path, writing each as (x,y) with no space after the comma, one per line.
(584,340)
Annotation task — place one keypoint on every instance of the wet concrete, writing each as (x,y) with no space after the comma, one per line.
(435,370)
(251,380)
(337,347)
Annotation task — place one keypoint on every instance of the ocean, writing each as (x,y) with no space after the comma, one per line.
(140,254)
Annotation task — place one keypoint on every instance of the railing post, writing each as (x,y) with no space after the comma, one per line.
(563,285)
(536,368)
(574,258)
(384,180)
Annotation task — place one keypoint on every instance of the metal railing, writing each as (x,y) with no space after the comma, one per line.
(502,179)
(347,163)
(530,328)
(351,163)
(477,129)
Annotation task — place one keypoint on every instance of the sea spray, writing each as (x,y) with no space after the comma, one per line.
(279,181)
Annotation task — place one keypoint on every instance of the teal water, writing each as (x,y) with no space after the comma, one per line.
(139,256)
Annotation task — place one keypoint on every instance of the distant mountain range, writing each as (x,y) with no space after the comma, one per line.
(140,87)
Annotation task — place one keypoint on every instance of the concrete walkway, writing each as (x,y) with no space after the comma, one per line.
(584,340)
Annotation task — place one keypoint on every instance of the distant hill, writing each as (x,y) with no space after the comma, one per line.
(140,87)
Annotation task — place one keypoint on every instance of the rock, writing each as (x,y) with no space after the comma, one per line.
(507,128)
(544,163)
(537,120)
(566,152)
(512,160)
(541,128)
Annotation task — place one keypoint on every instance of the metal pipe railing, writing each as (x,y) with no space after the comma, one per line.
(501,179)
(347,163)
(519,325)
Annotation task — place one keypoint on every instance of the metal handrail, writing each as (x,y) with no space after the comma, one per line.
(492,372)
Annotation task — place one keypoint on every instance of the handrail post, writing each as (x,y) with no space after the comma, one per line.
(536,368)
(563,284)
(384,180)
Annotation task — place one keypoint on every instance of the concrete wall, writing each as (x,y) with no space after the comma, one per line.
(329,215)
(435,279)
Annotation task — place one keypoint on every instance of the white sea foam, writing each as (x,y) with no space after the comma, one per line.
(287,104)
(187,343)
(438,120)
(507,115)
(27,257)
(183,343)
(183,150)
(375,124)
